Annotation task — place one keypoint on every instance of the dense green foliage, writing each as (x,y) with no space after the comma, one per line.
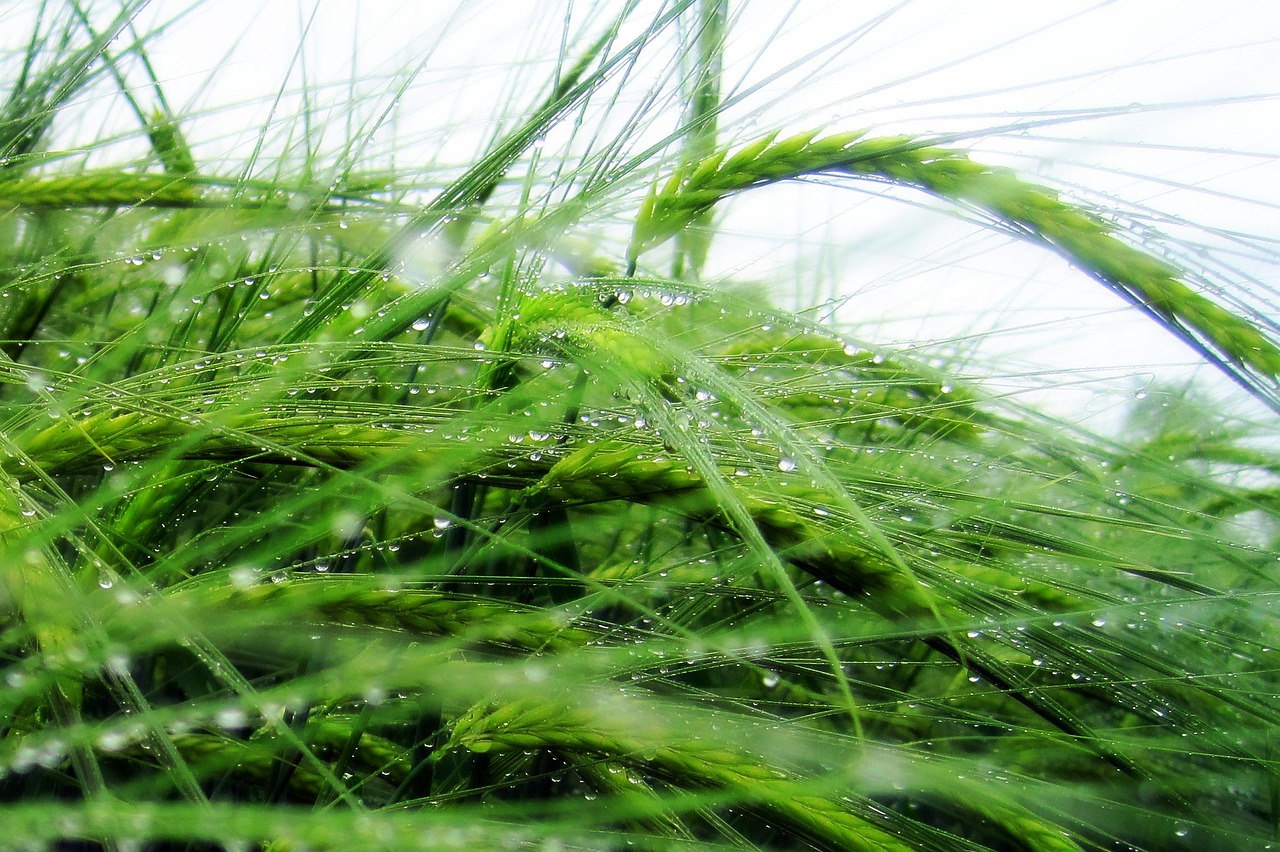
(349,512)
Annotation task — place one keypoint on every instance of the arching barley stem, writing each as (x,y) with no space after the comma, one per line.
(1032,211)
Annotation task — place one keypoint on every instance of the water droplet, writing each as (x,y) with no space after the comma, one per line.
(231,718)
(244,576)
(346,525)
(112,740)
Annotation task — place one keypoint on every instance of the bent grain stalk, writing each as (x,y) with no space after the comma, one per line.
(1031,211)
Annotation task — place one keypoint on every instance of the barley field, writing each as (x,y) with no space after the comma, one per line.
(376,477)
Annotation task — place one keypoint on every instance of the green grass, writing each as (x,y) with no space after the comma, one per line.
(352,503)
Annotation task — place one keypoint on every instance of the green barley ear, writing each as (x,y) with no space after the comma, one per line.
(1033,212)
(36,581)
(356,603)
(580,322)
(603,472)
(169,144)
(98,189)
(821,378)
(691,764)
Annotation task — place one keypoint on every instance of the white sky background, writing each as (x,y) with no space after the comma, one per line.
(1193,133)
